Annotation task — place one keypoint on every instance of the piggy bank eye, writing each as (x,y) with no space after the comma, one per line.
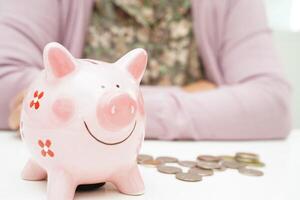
(118,86)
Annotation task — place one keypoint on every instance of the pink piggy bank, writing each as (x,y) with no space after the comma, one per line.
(83,122)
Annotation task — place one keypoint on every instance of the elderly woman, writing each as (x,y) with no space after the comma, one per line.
(213,71)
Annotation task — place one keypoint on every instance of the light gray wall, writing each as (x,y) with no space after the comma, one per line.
(284,19)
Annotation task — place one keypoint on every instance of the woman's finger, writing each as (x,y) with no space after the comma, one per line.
(14,117)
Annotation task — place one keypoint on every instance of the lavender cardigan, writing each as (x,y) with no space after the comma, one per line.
(252,100)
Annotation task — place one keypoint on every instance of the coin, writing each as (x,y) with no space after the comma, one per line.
(187,163)
(151,163)
(143,157)
(245,155)
(205,165)
(208,165)
(221,168)
(169,169)
(190,177)
(202,172)
(208,158)
(167,159)
(246,160)
(228,158)
(233,164)
(250,172)
(256,164)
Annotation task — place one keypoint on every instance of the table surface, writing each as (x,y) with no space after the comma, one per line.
(280,182)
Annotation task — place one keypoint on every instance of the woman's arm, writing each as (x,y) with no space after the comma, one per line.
(25,28)
(252,100)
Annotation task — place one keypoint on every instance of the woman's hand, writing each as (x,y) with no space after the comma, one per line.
(199,86)
(15,110)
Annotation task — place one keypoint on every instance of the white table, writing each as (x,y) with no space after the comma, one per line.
(281,180)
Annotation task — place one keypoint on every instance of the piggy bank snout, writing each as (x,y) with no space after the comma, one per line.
(116,111)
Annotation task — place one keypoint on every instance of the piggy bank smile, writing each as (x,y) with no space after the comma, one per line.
(106,142)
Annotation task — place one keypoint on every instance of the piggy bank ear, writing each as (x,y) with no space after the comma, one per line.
(58,61)
(135,63)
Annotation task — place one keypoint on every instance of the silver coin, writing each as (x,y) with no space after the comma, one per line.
(208,158)
(233,164)
(167,159)
(250,172)
(187,163)
(151,163)
(143,157)
(221,168)
(208,165)
(168,169)
(190,177)
(202,172)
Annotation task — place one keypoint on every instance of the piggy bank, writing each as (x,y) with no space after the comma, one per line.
(83,122)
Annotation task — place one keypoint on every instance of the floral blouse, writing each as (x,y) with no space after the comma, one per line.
(162,27)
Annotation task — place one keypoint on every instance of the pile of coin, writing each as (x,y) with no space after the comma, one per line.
(203,165)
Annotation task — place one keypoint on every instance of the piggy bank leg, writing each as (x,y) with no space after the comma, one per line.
(60,186)
(129,182)
(33,172)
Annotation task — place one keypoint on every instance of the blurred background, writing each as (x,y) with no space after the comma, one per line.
(284,19)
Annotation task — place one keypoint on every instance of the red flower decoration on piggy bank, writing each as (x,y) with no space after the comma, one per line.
(35,102)
(46,148)
(93,121)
